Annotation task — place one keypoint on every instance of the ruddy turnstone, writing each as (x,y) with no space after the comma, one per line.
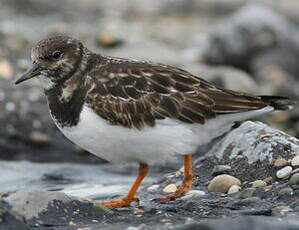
(125,110)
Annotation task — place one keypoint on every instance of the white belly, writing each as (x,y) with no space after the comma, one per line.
(160,143)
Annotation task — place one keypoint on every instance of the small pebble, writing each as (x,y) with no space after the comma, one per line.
(221,169)
(193,194)
(170,188)
(246,193)
(234,189)
(6,69)
(268,187)
(295,171)
(268,179)
(284,172)
(222,183)
(153,188)
(295,161)
(294,180)
(259,184)
(37,137)
(280,162)
(286,191)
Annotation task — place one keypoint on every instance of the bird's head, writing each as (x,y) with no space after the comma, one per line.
(54,60)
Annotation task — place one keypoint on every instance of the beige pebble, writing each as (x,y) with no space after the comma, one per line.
(268,187)
(258,184)
(280,162)
(39,138)
(170,188)
(222,183)
(6,69)
(268,179)
(234,189)
(295,161)
(295,170)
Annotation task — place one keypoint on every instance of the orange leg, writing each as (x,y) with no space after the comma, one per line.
(187,183)
(130,197)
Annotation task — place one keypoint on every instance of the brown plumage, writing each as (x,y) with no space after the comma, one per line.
(136,94)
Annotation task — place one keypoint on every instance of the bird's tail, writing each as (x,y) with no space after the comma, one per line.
(279,103)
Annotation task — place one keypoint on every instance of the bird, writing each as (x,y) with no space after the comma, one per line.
(130,111)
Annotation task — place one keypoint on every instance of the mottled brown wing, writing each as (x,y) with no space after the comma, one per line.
(135,95)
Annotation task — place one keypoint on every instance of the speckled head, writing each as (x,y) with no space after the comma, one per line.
(55,58)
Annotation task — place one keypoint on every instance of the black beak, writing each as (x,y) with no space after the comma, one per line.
(33,71)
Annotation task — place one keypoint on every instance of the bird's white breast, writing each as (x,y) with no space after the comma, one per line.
(159,143)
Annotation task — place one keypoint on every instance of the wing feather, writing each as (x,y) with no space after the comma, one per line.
(136,94)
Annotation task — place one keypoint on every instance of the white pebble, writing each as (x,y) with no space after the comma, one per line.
(193,194)
(284,172)
(170,188)
(295,161)
(234,189)
(153,188)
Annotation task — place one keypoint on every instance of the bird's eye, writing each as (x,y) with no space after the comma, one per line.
(56,54)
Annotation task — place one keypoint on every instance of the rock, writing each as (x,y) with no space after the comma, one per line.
(244,223)
(6,69)
(193,194)
(294,180)
(295,161)
(222,183)
(39,138)
(10,220)
(234,189)
(50,208)
(286,191)
(30,203)
(280,162)
(247,193)
(221,169)
(170,188)
(253,38)
(256,154)
(153,188)
(259,184)
(109,38)
(268,179)
(284,172)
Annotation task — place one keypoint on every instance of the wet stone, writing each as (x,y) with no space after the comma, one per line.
(284,172)
(286,191)
(222,183)
(295,161)
(221,169)
(39,138)
(170,188)
(294,180)
(280,162)
(259,184)
(234,189)
(247,193)
(193,194)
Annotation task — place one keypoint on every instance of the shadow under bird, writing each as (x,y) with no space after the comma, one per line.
(125,110)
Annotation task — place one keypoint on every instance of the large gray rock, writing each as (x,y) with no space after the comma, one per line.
(50,208)
(255,37)
(250,150)
(9,219)
(257,142)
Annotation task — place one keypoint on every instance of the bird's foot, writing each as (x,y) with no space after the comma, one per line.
(125,202)
(182,190)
